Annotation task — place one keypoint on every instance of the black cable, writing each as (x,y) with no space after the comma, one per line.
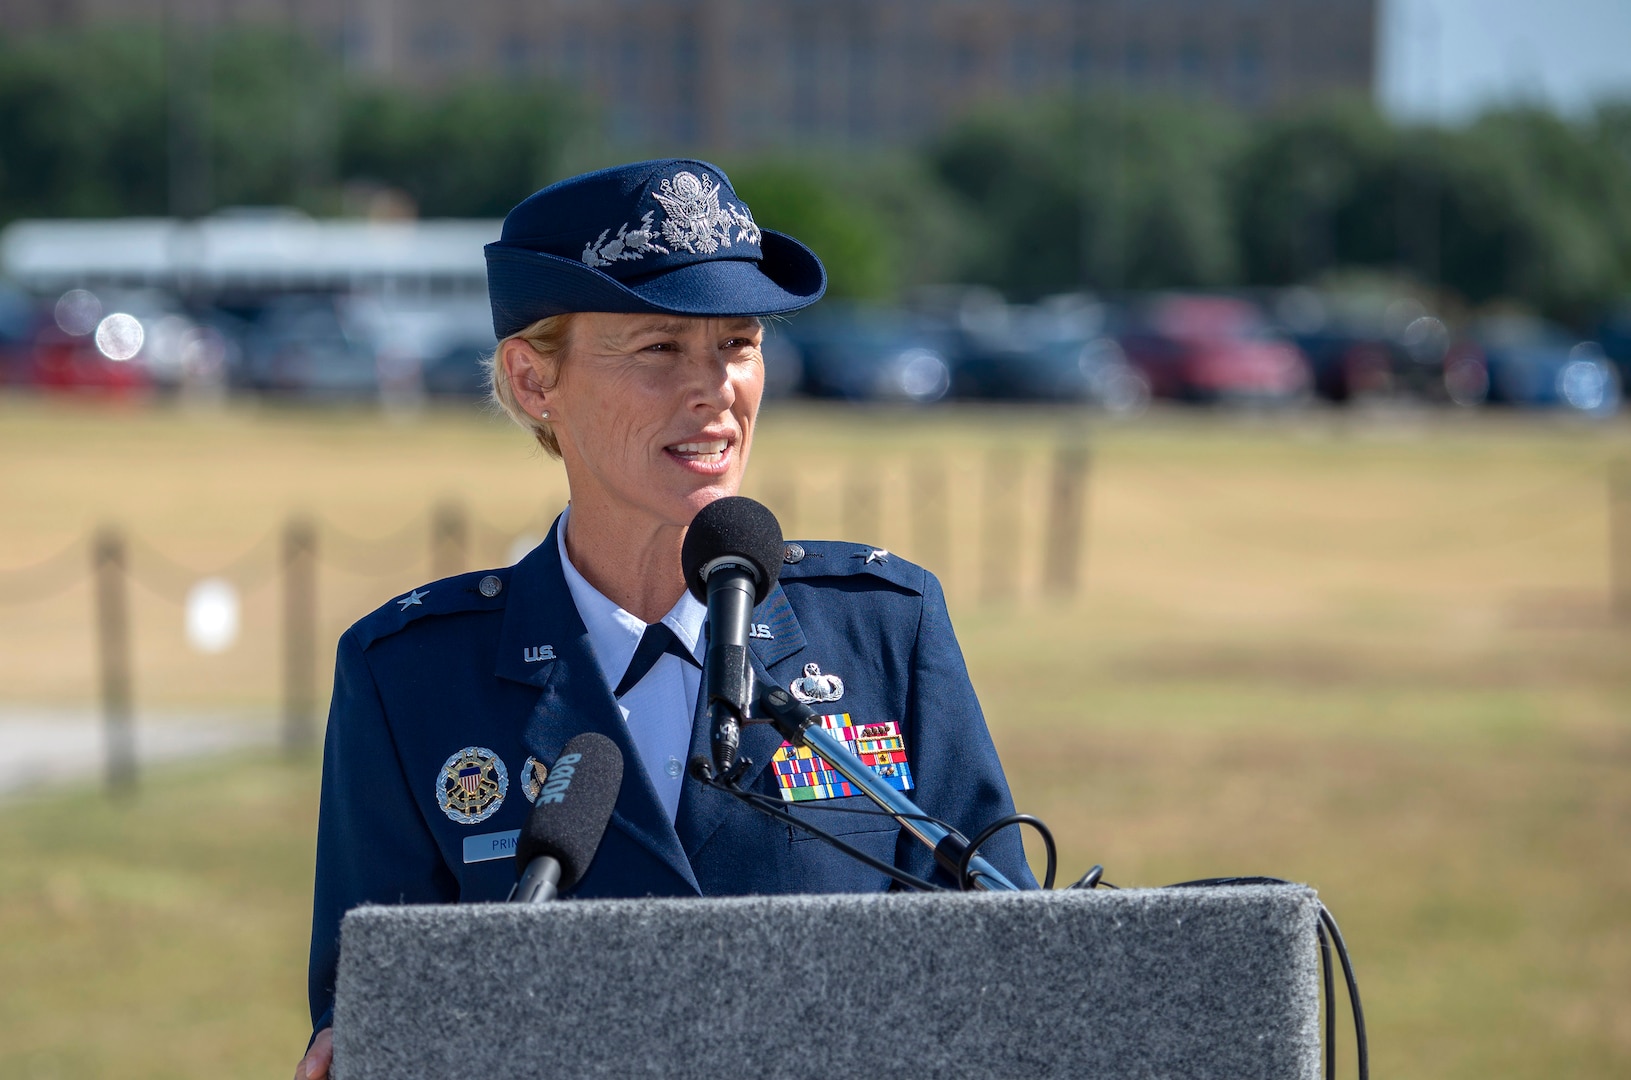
(1091,880)
(966,881)
(1330,1002)
(873,812)
(1353,991)
(767,805)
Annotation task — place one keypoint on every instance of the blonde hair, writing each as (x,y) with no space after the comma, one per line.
(548,338)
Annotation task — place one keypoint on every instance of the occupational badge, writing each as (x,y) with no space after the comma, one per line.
(801,776)
(815,687)
(472,785)
(534,774)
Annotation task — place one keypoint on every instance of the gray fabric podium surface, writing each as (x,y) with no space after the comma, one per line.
(1219,982)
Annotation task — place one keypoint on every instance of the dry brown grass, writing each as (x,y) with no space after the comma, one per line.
(1373,653)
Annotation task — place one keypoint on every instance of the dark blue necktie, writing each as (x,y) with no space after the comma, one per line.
(657,639)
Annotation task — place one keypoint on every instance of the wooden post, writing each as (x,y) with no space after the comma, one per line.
(113,650)
(449,540)
(861,507)
(299,637)
(1067,498)
(1000,551)
(1619,540)
(781,495)
(931,516)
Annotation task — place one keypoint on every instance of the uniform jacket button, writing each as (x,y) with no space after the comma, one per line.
(792,553)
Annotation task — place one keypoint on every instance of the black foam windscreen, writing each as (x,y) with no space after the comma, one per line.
(574,807)
(738,526)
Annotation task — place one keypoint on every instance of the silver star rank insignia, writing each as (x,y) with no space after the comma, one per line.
(875,555)
(415,597)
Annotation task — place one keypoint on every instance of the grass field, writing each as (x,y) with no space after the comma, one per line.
(1372,652)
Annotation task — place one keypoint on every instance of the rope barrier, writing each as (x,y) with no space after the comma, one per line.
(362,556)
(1201,485)
(47,578)
(171,580)
(403,534)
(405,551)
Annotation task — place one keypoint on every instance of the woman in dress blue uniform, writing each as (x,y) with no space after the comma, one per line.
(627,305)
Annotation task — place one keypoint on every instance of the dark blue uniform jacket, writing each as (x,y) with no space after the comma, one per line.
(416,683)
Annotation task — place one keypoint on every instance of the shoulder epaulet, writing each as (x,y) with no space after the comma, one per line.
(479,590)
(836,558)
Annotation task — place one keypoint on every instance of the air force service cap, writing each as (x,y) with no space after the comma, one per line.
(667,237)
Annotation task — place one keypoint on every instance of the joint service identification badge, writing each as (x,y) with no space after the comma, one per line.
(472,785)
(801,776)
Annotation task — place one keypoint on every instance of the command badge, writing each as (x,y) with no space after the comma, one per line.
(534,774)
(472,785)
(802,777)
(815,687)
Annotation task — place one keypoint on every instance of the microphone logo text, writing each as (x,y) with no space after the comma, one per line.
(560,778)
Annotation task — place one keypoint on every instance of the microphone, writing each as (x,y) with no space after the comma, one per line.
(555,849)
(732,556)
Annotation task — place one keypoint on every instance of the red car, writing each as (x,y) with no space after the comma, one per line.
(73,364)
(1210,348)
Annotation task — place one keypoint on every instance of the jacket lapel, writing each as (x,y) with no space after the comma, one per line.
(702,810)
(544,644)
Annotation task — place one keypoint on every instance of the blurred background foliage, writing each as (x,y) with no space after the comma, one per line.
(1108,193)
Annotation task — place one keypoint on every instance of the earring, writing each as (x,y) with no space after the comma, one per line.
(544,415)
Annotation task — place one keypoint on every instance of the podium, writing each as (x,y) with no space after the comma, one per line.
(1192,983)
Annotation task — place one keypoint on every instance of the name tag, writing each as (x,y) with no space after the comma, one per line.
(490,846)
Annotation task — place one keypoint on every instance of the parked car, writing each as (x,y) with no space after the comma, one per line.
(784,362)
(1529,362)
(1054,351)
(872,355)
(1211,349)
(1364,343)
(299,346)
(457,371)
(1614,334)
(19,319)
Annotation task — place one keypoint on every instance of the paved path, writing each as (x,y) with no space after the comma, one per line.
(54,746)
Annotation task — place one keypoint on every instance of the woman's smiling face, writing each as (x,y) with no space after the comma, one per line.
(654,413)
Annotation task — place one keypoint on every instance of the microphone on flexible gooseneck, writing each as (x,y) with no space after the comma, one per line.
(732,556)
(555,849)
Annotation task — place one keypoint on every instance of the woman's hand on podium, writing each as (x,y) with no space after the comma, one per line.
(314,1066)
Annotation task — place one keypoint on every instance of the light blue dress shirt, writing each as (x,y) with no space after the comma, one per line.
(658,709)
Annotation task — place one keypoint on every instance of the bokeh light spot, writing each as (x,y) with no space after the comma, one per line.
(119,336)
(212,615)
(77,312)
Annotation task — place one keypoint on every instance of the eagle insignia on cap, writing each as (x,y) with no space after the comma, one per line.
(696,222)
(471,785)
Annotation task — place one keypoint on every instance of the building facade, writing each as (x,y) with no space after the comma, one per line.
(745,74)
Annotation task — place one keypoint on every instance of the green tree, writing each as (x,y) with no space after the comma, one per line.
(131,121)
(473,151)
(1521,204)
(880,224)
(1096,194)
(1315,191)
(83,125)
